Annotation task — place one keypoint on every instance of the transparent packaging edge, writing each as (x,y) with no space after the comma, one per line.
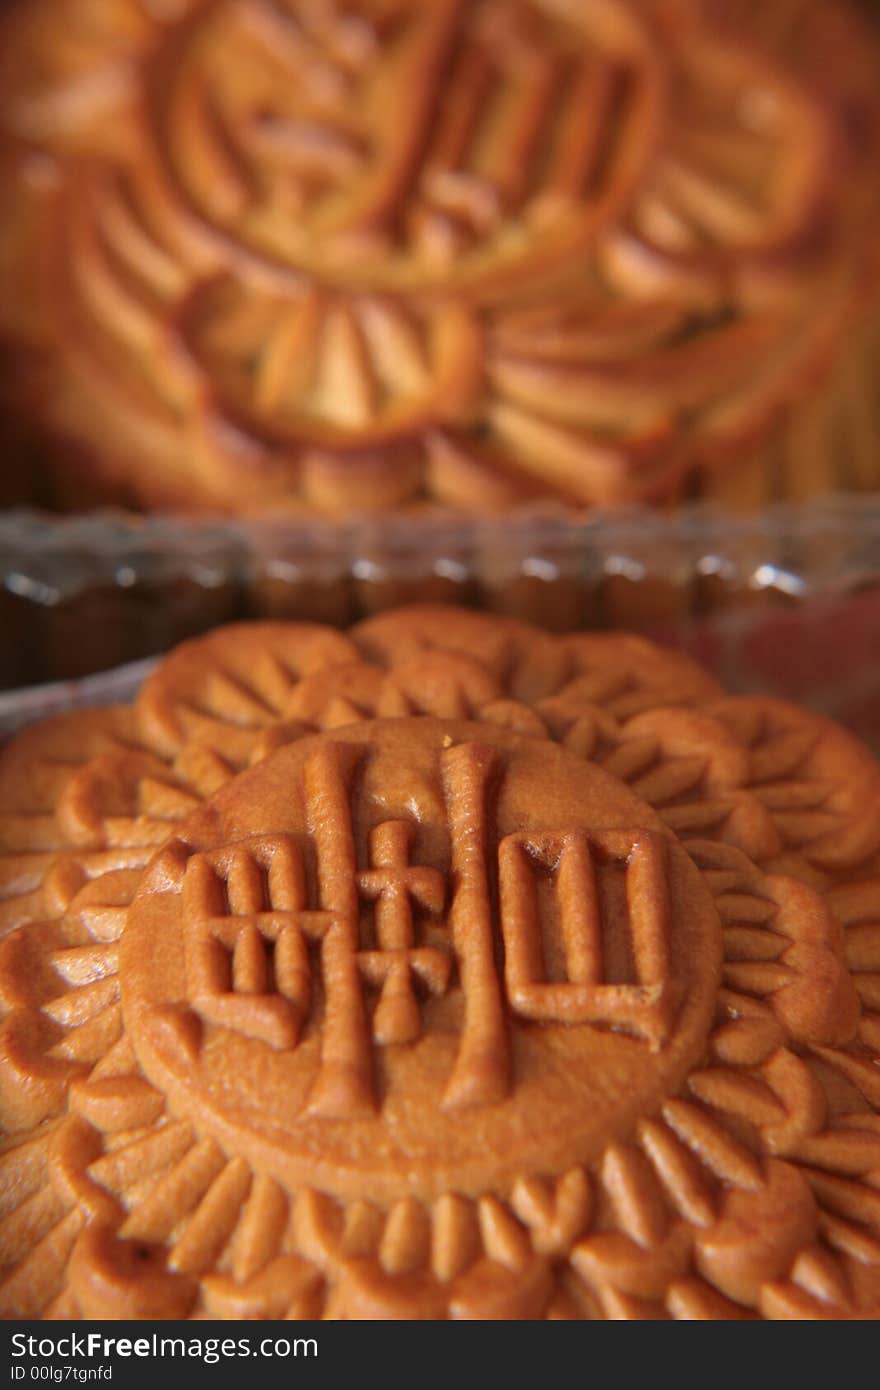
(800,548)
(786,603)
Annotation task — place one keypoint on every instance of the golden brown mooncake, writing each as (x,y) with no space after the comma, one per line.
(347,257)
(443,968)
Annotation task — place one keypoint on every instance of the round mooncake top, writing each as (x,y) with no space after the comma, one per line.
(355,256)
(442,968)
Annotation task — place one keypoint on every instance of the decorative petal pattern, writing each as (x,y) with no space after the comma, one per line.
(615,252)
(746,1191)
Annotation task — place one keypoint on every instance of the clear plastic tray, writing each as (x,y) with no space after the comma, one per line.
(21,707)
(787,602)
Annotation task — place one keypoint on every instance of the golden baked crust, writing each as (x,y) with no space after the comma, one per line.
(348,258)
(445,968)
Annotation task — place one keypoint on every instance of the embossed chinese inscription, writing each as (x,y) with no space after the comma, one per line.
(516,926)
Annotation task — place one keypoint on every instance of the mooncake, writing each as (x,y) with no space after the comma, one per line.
(373,256)
(443,968)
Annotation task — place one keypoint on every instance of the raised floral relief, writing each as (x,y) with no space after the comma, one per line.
(310,1008)
(353,255)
